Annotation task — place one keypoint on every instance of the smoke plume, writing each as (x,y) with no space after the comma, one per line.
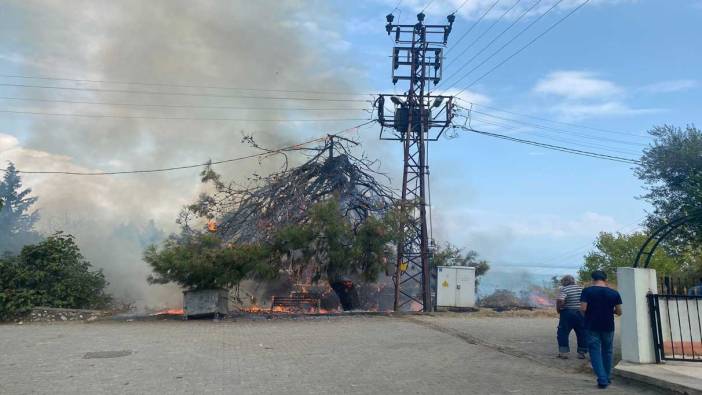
(262,45)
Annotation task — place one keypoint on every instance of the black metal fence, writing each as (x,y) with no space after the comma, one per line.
(676,320)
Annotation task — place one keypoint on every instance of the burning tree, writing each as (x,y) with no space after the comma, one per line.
(283,198)
(204,261)
(329,216)
(329,245)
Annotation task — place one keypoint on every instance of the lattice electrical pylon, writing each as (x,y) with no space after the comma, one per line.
(416,118)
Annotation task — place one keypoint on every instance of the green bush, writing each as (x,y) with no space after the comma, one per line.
(52,273)
(203,261)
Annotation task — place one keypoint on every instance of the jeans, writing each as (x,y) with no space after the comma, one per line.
(600,345)
(571,320)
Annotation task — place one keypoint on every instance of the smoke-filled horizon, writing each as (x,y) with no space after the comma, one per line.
(261,45)
(276,46)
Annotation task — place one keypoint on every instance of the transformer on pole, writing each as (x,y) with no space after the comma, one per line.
(416,118)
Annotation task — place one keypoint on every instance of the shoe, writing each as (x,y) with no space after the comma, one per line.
(602,386)
(581,355)
(562,355)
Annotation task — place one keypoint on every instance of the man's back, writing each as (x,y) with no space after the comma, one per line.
(600,300)
(570,295)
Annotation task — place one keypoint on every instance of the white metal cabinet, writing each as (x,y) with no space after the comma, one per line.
(455,286)
(445,286)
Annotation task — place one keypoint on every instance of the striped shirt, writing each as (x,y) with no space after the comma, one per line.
(570,295)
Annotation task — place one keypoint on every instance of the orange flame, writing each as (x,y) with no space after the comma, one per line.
(540,301)
(170,312)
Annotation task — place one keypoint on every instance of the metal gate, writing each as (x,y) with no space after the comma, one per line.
(675,321)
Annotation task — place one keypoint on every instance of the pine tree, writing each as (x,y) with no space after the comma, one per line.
(17,220)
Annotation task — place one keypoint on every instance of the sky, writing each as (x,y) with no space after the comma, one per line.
(597,81)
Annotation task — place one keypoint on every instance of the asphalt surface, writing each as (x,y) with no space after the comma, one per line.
(442,354)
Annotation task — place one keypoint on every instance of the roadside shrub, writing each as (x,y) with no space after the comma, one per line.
(52,273)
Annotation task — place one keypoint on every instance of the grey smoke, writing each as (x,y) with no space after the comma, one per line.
(262,44)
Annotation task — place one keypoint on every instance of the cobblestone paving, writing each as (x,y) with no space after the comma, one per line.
(336,355)
(533,338)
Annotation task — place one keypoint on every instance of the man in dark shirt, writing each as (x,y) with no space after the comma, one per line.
(599,303)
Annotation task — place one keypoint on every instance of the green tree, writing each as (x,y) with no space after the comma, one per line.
(52,273)
(671,168)
(203,261)
(613,250)
(16,216)
(450,255)
(329,243)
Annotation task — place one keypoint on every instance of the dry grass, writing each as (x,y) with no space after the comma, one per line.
(516,313)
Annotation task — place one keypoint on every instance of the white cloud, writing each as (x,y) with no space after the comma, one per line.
(576,85)
(583,94)
(577,111)
(671,86)
(468,96)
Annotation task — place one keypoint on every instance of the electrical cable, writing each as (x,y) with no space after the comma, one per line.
(524,47)
(460,6)
(32,99)
(473,26)
(511,25)
(571,253)
(486,31)
(82,115)
(553,147)
(427,6)
(146,92)
(173,85)
(510,41)
(560,140)
(552,121)
(548,128)
(261,154)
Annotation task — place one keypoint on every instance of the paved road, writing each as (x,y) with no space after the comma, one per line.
(338,355)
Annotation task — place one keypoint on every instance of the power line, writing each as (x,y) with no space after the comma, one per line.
(553,147)
(32,99)
(525,46)
(427,6)
(174,85)
(548,128)
(146,92)
(579,250)
(160,170)
(82,115)
(486,31)
(460,6)
(552,121)
(492,55)
(560,140)
(523,14)
(474,25)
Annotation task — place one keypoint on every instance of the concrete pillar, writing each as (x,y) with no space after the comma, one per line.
(636,336)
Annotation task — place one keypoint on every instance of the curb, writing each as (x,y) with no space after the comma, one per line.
(668,386)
